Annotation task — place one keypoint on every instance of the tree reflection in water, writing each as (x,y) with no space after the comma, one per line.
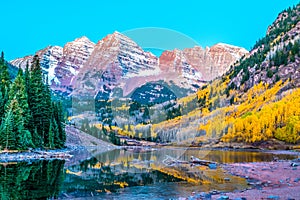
(36,180)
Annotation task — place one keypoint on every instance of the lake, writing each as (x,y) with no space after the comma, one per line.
(125,174)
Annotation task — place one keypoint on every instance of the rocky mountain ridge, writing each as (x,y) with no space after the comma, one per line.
(117,61)
(273,57)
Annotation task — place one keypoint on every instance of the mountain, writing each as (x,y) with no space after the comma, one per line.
(74,56)
(255,102)
(206,64)
(116,61)
(194,66)
(61,64)
(49,58)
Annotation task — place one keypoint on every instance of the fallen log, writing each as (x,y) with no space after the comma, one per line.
(170,161)
(195,160)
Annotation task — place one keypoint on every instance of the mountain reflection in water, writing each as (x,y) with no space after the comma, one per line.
(121,173)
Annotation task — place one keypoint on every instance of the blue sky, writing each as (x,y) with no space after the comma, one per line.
(28,26)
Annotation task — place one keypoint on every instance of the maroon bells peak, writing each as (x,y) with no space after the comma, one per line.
(117,61)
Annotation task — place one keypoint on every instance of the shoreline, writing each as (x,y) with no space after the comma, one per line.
(37,154)
(266,180)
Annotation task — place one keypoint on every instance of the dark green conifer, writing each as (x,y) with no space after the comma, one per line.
(28,117)
(7,136)
(39,112)
(18,91)
(60,135)
(53,132)
(1,106)
(27,79)
(4,74)
(47,103)
(22,136)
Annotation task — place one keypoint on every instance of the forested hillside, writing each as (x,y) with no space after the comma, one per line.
(28,116)
(258,99)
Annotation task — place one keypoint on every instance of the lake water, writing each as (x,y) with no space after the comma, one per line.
(124,174)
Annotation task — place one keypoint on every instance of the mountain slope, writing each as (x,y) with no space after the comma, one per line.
(215,61)
(13,71)
(74,56)
(196,65)
(256,100)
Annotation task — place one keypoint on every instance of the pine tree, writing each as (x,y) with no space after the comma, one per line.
(37,104)
(60,125)
(7,137)
(1,106)
(22,136)
(27,79)
(4,84)
(56,135)
(3,101)
(36,138)
(47,110)
(4,74)
(18,91)
(30,118)
(60,135)
(53,132)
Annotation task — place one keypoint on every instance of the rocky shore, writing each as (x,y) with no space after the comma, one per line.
(78,143)
(276,180)
(36,154)
(268,180)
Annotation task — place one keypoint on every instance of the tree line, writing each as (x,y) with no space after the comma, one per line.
(28,116)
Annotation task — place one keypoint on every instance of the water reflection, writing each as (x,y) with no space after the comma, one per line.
(159,155)
(124,174)
(37,180)
(110,172)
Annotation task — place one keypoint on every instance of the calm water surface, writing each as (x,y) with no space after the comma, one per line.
(122,174)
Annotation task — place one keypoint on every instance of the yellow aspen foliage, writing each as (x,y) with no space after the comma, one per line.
(260,114)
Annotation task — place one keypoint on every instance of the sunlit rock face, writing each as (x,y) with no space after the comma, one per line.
(61,64)
(82,67)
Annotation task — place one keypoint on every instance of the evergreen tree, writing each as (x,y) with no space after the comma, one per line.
(60,135)
(1,106)
(47,110)
(18,91)
(53,132)
(7,137)
(36,138)
(4,99)
(27,79)
(61,127)
(22,136)
(4,74)
(29,117)
(4,84)
(37,104)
